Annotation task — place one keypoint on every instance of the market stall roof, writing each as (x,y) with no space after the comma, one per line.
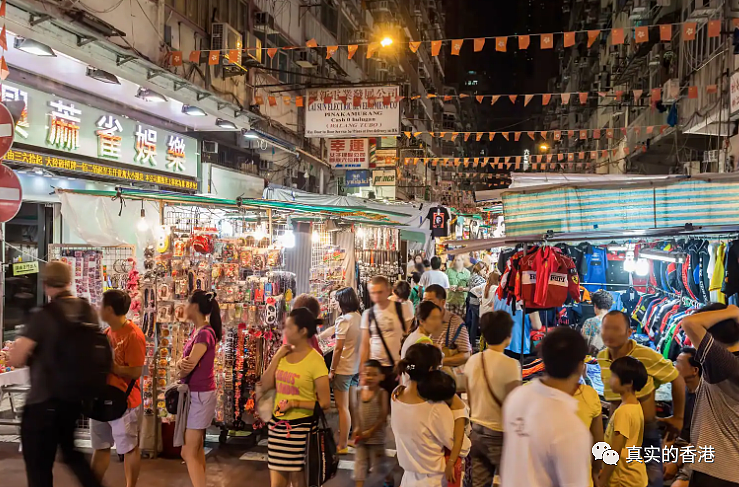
(608,235)
(355,214)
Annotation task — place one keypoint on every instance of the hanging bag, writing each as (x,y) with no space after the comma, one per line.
(321,458)
(448,350)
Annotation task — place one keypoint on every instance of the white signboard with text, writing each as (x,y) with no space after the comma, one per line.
(352,112)
(349,153)
(734,93)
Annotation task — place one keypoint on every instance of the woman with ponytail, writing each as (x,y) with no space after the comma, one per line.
(422,429)
(299,376)
(196,370)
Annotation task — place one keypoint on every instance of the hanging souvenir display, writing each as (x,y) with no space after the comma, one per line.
(377,253)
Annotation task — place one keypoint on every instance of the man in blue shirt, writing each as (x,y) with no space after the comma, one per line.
(520,325)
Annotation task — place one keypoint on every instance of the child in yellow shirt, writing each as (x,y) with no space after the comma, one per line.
(625,430)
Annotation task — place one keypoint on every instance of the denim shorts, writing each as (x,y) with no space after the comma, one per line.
(344,382)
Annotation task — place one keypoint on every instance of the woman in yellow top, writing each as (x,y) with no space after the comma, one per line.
(300,378)
(590,412)
(625,432)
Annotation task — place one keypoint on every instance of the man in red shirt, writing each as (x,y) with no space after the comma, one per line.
(129,355)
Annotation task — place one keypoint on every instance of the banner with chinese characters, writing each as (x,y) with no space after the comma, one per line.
(349,153)
(54,123)
(383,177)
(358,179)
(352,112)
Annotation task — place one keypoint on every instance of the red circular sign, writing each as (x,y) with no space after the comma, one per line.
(11,194)
(7,130)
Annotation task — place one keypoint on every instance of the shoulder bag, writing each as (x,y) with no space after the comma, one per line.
(450,350)
(321,458)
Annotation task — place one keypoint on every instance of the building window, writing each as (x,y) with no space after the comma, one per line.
(196,11)
(329,17)
(346,31)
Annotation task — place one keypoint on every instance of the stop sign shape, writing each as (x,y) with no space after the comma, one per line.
(7,132)
(11,194)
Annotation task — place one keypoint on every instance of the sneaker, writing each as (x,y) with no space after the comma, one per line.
(343,451)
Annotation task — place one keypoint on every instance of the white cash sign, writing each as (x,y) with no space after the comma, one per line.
(353,112)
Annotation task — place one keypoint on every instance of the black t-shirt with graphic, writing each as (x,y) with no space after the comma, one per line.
(439,218)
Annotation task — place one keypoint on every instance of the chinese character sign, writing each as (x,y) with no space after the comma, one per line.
(11,93)
(64,128)
(109,142)
(349,153)
(176,153)
(146,145)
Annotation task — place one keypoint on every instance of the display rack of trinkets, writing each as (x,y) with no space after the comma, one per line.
(377,253)
(253,292)
(327,272)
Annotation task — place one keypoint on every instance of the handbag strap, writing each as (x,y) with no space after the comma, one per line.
(487,382)
(319,417)
(456,333)
(131,384)
(372,318)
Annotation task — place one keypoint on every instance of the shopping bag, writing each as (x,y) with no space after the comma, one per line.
(321,458)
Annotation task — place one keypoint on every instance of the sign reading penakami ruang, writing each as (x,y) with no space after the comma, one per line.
(353,112)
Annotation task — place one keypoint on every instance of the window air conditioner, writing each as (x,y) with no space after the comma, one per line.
(305,59)
(253,49)
(223,38)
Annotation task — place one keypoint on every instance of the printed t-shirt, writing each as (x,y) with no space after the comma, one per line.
(202,377)
(628,420)
(591,332)
(501,371)
(660,370)
(296,382)
(129,350)
(439,218)
(347,329)
(392,328)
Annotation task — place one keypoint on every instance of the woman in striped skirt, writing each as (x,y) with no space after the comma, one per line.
(300,378)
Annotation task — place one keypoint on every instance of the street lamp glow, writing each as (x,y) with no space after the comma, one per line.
(543,147)
(386,41)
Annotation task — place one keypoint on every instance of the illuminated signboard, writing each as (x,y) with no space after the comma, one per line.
(52,122)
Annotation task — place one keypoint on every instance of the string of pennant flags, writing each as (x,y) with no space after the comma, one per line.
(4,71)
(546,41)
(580,134)
(356,99)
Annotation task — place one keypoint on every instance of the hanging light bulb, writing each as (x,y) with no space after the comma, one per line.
(629,262)
(315,237)
(259,233)
(360,232)
(288,239)
(142,225)
(642,267)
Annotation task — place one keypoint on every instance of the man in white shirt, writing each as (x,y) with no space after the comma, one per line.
(434,276)
(491,376)
(383,327)
(546,444)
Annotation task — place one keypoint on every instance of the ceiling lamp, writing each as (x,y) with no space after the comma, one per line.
(225,124)
(662,255)
(193,111)
(150,96)
(251,135)
(102,76)
(33,47)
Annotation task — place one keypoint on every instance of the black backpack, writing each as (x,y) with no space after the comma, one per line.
(83,358)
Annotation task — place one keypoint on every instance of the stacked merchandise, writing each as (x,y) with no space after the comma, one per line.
(327,272)
(253,291)
(87,272)
(377,253)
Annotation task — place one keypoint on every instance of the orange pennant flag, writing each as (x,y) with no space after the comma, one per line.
(194,57)
(495,98)
(592,36)
(596,134)
(447,97)
(557,135)
(650,130)
(3,8)
(549,157)
(478,136)
(593,155)
(4,71)
(298,101)
(571,156)
(527,99)
(689,31)
(442,134)
(569,39)
(272,101)
(271,52)
(545,99)
(604,153)
(516,136)
(565,98)
(602,94)
(330,51)
(583,134)
(547,41)
(570,133)
(665,33)
(711,89)
(627,150)
(234,56)
(531,135)
(287,100)
(467,136)
(479,43)
(414,45)
(371,48)
(213,57)
(311,43)
(176,55)
(491,136)
(407,160)
(464,95)
(259,99)
(583,98)
(454,135)
(523,42)
(637,94)
(512,98)
(501,44)
(435,48)
(560,157)
(617,36)
(544,134)
(619,94)
(714,28)
(581,156)
(457,46)
(518,162)
(352,49)
(692,92)
(641,34)
(479,98)
(656,95)
(505,134)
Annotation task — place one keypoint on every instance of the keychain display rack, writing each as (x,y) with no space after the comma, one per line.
(327,272)
(377,253)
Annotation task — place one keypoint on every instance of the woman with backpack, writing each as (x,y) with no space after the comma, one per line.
(300,379)
(196,369)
